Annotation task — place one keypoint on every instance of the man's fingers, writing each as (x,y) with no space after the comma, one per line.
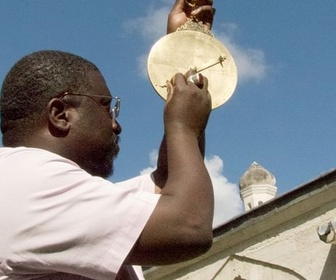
(170,90)
(204,14)
(196,79)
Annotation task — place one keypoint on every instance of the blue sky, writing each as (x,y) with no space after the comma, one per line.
(282,114)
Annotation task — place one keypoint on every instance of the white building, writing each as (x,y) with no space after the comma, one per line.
(288,237)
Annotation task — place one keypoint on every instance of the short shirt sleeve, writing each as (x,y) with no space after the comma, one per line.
(70,221)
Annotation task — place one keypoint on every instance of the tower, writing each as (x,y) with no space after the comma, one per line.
(257,186)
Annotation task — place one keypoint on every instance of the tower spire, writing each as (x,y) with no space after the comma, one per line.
(257,185)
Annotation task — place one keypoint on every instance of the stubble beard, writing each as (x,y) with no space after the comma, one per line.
(101,163)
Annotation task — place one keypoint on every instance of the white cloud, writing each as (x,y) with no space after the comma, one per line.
(251,62)
(142,65)
(151,27)
(152,161)
(227,200)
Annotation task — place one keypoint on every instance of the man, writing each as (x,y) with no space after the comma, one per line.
(59,218)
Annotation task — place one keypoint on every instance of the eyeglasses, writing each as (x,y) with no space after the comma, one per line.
(114,102)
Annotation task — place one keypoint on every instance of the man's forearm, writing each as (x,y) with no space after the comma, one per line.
(160,175)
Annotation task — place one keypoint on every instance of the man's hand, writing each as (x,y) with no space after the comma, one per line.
(202,10)
(188,106)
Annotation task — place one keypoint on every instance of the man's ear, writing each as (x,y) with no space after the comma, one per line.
(59,117)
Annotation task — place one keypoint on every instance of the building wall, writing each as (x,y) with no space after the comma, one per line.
(291,251)
(278,240)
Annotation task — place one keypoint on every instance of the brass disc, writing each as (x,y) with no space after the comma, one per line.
(179,51)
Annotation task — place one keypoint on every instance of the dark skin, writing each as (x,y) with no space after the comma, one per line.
(180,227)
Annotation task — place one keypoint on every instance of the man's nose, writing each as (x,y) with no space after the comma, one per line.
(116,127)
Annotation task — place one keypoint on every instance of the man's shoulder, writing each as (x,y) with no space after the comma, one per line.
(9,151)
(30,158)
(21,152)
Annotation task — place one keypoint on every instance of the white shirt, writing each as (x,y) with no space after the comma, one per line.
(55,217)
